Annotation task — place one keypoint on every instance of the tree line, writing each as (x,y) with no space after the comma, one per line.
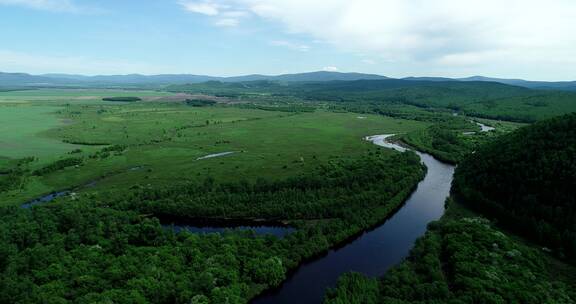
(111,247)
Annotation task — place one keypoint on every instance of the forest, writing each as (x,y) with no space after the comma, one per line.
(97,249)
(122,99)
(129,173)
(287,152)
(480,99)
(526,180)
(462,260)
(517,184)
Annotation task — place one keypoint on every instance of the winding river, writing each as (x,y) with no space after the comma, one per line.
(374,252)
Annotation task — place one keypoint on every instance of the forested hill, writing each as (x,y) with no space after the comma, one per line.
(475,98)
(527,181)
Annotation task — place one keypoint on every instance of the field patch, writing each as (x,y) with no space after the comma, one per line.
(21,132)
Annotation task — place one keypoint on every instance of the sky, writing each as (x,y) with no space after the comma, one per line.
(529,39)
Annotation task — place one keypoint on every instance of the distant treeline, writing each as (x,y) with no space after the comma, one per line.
(84,143)
(122,99)
(200,102)
(59,165)
(480,99)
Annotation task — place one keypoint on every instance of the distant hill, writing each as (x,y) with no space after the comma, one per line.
(307,77)
(131,79)
(429,79)
(542,85)
(559,85)
(22,79)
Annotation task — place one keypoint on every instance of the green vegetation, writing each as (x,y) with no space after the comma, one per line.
(58,165)
(449,140)
(50,96)
(538,106)
(296,108)
(122,99)
(105,242)
(463,260)
(21,132)
(480,99)
(200,102)
(87,249)
(454,138)
(527,181)
(166,139)
(295,157)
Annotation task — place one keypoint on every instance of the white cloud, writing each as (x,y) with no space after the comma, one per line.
(227,22)
(368,61)
(330,69)
(291,45)
(207,8)
(471,33)
(48,5)
(235,14)
(224,15)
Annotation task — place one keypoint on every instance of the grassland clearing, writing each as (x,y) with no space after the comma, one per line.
(167,138)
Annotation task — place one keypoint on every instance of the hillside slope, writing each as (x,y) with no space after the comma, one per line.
(527,181)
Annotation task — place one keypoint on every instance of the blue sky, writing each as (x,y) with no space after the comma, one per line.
(397,38)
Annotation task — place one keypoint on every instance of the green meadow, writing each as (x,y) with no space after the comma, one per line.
(162,142)
(55,95)
(22,128)
(26,115)
(126,169)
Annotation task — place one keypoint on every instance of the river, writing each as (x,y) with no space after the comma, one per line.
(372,253)
(375,251)
(485,128)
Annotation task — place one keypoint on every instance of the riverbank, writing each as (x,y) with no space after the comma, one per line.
(465,257)
(376,250)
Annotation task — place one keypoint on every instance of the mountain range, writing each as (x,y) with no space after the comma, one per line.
(23,79)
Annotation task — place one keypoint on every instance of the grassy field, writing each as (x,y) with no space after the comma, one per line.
(163,142)
(58,95)
(25,116)
(130,165)
(306,167)
(21,132)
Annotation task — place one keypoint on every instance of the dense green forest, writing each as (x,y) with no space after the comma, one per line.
(452,139)
(122,99)
(446,139)
(527,181)
(524,181)
(199,102)
(111,247)
(462,260)
(481,99)
(110,239)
